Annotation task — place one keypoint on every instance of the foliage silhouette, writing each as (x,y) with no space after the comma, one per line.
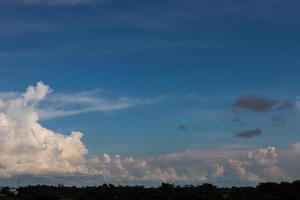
(263,191)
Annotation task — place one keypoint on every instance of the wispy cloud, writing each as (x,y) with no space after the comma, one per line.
(67,104)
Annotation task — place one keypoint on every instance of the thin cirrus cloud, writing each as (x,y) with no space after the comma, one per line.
(74,104)
(67,104)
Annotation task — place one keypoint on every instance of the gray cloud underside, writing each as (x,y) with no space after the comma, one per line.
(182,127)
(254,103)
(262,104)
(248,133)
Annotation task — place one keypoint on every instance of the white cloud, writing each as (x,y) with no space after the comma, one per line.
(243,164)
(194,166)
(239,169)
(264,156)
(218,170)
(35,94)
(145,170)
(260,165)
(267,158)
(26,147)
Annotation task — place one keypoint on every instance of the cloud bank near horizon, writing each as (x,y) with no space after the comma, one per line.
(28,148)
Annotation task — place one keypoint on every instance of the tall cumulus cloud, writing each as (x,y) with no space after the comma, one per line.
(26,147)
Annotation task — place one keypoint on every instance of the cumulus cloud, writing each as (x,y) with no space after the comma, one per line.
(248,133)
(218,170)
(238,167)
(261,165)
(247,165)
(26,147)
(267,158)
(264,156)
(133,169)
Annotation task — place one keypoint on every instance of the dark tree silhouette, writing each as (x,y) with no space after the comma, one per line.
(263,191)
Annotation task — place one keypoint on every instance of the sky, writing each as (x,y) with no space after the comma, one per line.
(143,92)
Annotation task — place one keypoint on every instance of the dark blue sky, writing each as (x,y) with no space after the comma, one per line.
(122,44)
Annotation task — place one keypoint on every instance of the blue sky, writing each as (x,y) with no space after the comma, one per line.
(154,78)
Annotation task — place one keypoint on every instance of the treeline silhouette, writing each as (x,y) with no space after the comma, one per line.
(263,191)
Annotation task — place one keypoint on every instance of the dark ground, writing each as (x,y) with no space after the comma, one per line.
(263,191)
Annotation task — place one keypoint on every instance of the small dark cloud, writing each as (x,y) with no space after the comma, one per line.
(254,103)
(261,104)
(248,133)
(182,127)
